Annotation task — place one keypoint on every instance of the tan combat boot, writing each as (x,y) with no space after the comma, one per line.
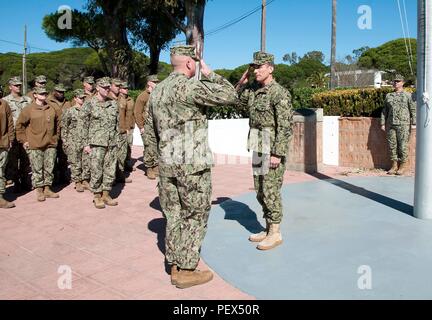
(156,171)
(40,194)
(189,278)
(4,204)
(98,202)
(394,168)
(174,274)
(273,239)
(108,200)
(151,174)
(79,187)
(49,194)
(402,169)
(86,185)
(258,237)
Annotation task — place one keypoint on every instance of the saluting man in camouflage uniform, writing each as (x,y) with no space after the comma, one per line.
(71,133)
(122,147)
(58,101)
(100,137)
(176,134)
(18,165)
(6,137)
(38,129)
(397,119)
(271,121)
(40,81)
(89,89)
(140,113)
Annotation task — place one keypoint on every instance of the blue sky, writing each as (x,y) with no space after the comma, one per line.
(299,26)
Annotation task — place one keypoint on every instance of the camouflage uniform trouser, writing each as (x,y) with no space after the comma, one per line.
(268,184)
(122,149)
(78,160)
(148,160)
(42,163)
(103,168)
(398,140)
(130,144)
(186,203)
(3,162)
(86,166)
(142,138)
(18,164)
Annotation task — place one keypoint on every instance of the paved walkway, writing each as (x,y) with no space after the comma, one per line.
(116,253)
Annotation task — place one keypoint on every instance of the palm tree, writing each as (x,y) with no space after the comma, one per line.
(318,80)
(333,46)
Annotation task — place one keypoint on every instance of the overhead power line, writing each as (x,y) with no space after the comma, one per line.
(409,54)
(29,46)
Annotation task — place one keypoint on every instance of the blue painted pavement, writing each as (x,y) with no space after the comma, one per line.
(331,228)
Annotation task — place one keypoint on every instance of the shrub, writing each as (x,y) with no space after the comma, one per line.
(352,102)
(302,97)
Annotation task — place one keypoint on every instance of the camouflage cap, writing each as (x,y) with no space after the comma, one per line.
(184,50)
(41,79)
(89,80)
(103,82)
(79,93)
(60,87)
(124,85)
(260,58)
(398,77)
(116,81)
(40,90)
(15,80)
(153,78)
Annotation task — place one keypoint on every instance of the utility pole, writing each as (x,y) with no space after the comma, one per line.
(263,25)
(333,47)
(24,68)
(423,176)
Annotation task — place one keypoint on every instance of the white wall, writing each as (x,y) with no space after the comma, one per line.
(137,141)
(229,137)
(331,141)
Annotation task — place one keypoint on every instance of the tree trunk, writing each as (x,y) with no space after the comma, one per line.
(195,23)
(103,61)
(118,48)
(195,28)
(154,59)
(333,47)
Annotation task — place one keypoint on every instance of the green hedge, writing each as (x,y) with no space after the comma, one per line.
(352,102)
(345,102)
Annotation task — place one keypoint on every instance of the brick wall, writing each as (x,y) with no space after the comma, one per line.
(305,150)
(362,144)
